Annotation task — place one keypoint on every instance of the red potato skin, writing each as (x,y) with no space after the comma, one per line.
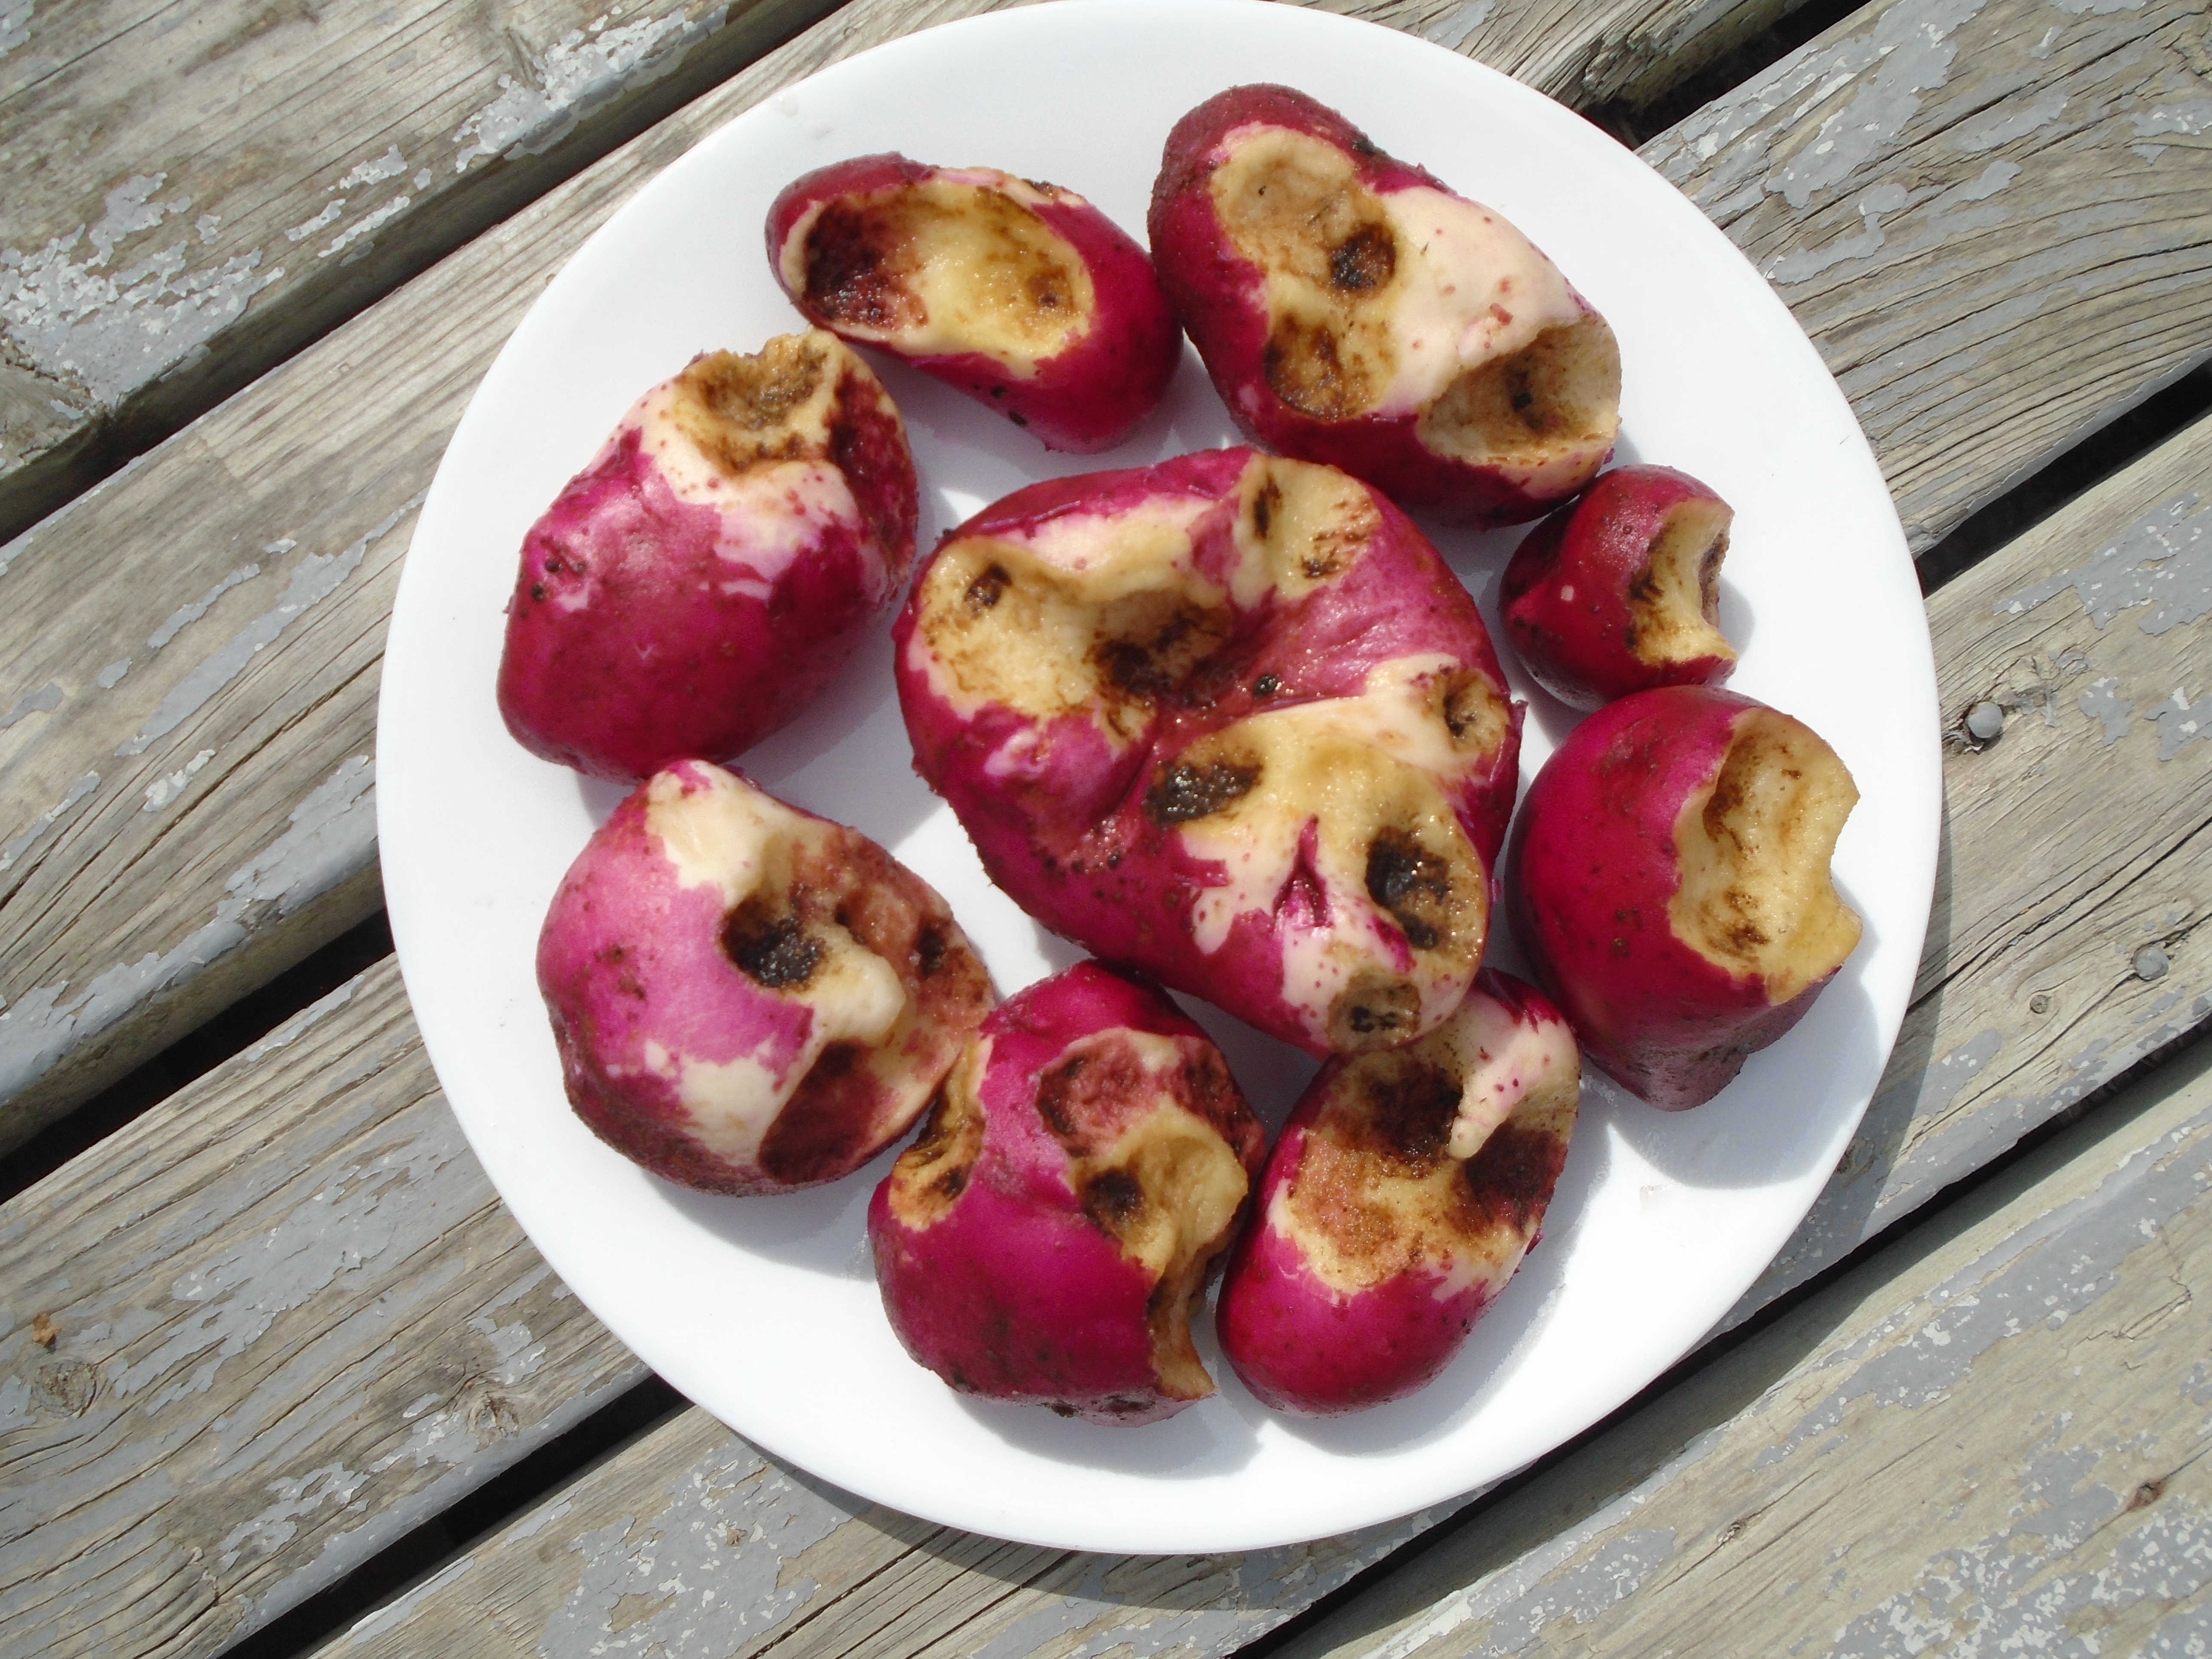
(1214,289)
(628,957)
(1590,871)
(1307,1348)
(634,641)
(1058,817)
(1015,1293)
(1083,400)
(1579,648)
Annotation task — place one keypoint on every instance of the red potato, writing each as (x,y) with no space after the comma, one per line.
(1352,310)
(700,582)
(746,997)
(1083,1167)
(1230,720)
(1619,590)
(1023,296)
(1668,878)
(1398,1199)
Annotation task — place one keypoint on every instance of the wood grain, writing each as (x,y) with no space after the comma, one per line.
(2035,891)
(1993,217)
(2067,939)
(195,189)
(184,819)
(1991,1439)
(258,1335)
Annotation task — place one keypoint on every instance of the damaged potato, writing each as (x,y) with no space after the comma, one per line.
(1082,1171)
(1401,1197)
(696,585)
(1023,296)
(1231,720)
(746,997)
(1351,309)
(1669,880)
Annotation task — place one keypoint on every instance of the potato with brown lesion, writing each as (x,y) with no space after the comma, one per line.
(1399,1201)
(1670,878)
(1084,1169)
(1021,295)
(1619,590)
(1351,309)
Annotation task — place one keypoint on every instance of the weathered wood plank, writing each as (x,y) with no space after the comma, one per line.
(260,1334)
(195,191)
(135,774)
(2039,897)
(2067,940)
(1991,1439)
(1993,217)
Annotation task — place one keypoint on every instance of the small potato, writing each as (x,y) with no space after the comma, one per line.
(1619,590)
(701,581)
(1231,720)
(1023,296)
(1084,1166)
(1398,1199)
(1352,310)
(1668,878)
(746,997)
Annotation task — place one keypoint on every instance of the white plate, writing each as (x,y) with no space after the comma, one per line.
(763,1310)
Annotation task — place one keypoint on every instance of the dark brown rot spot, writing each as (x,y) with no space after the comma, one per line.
(1413,883)
(849,275)
(1112,1198)
(1184,792)
(931,946)
(1509,1179)
(1267,686)
(1052,1092)
(1709,577)
(1303,367)
(1407,1111)
(775,950)
(984,592)
(537,591)
(1364,260)
(1270,497)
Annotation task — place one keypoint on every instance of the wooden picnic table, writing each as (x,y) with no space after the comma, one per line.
(278,1374)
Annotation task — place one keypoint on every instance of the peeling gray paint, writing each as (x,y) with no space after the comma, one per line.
(2192,116)
(1912,50)
(368,227)
(2162,560)
(2102,702)
(390,165)
(582,71)
(2005,123)
(314,578)
(15,24)
(185,615)
(714,1556)
(306,227)
(113,333)
(1457,27)
(166,788)
(2181,722)
(44,700)
(332,834)
(112,676)
(46,820)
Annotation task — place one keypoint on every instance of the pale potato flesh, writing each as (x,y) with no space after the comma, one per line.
(1676,602)
(943,267)
(1754,850)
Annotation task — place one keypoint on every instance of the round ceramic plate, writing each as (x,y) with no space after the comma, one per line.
(764,1310)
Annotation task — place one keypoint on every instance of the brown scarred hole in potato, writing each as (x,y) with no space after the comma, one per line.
(1375,1011)
(1366,260)
(1184,792)
(1112,1199)
(1308,372)
(1559,392)
(740,410)
(930,946)
(931,1174)
(1149,645)
(852,269)
(1675,600)
(1709,578)
(985,591)
(1508,1182)
(775,950)
(1413,883)
(1473,711)
(1410,1104)
(1265,501)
